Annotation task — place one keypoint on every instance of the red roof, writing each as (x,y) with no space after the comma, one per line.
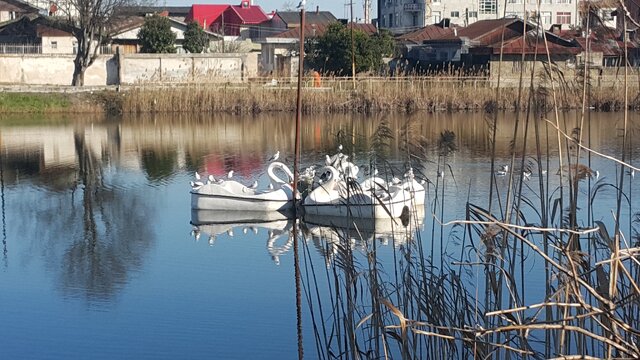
(205,14)
(249,14)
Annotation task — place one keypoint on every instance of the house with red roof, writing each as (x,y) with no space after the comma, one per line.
(245,20)
(205,14)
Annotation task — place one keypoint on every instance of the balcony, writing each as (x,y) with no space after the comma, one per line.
(413,7)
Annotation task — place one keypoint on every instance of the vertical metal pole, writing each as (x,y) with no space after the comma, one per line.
(353,48)
(296,174)
(296,158)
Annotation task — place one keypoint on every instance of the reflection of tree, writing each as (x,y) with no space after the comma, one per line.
(111,242)
(158,165)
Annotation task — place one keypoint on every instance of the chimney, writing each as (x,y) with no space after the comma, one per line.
(317,9)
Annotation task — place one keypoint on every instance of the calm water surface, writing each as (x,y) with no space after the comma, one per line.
(100,258)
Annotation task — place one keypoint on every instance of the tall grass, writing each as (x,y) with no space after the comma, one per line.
(337,96)
(479,302)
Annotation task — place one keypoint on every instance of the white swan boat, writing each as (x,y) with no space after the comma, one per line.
(232,195)
(334,197)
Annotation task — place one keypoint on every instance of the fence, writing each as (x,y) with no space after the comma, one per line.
(37,49)
(20,49)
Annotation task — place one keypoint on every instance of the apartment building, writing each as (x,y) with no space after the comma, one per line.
(401,16)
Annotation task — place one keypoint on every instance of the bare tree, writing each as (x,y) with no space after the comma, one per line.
(91,22)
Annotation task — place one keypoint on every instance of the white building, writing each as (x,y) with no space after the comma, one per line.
(401,16)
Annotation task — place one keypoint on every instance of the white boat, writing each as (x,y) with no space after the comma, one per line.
(334,197)
(232,195)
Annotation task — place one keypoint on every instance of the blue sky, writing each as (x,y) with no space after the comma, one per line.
(337,7)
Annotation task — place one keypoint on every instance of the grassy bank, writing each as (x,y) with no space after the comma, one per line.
(392,95)
(50,102)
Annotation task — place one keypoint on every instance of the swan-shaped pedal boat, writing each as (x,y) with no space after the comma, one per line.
(233,195)
(372,199)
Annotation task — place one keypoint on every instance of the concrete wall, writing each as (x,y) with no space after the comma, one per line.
(52,69)
(37,69)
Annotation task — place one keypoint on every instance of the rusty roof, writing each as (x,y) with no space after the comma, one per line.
(426,33)
(534,45)
(487,32)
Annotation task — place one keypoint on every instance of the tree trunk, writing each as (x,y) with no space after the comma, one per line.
(78,74)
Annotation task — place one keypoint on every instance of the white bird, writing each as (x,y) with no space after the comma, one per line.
(254,229)
(230,232)
(275,156)
(197,176)
(340,147)
(441,174)
(270,186)
(395,181)
(211,179)
(597,174)
(230,174)
(526,175)
(504,168)
(212,240)
(245,230)
(254,185)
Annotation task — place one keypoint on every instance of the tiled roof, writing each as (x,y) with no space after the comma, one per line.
(292,18)
(533,46)
(487,32)
(426,33)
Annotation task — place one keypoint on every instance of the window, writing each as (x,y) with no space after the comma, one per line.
(435,17)
(455,14)
(607,15)
(390,20)
(54,44)
(563,18)
(545,1)
(488,6)
(473,14)
(443,55)
(563,1)
(435,1)
(545,17)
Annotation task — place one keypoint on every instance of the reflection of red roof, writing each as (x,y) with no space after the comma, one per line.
(249,14)
(205,13)
(243,166)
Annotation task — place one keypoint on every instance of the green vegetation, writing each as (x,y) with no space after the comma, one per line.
(156,35)
(195,39)
(33,103)
(331,52)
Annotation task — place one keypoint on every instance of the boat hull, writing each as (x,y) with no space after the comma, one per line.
(223,202)
(342,208)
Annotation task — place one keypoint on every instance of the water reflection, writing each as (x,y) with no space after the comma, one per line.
(327,233)
(91,205)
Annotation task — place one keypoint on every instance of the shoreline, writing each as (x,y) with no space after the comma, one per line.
(253,99)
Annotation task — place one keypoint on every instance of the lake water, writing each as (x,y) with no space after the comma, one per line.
(101,259)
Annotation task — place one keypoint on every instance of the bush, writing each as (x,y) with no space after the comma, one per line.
(156,35)
(195,39)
